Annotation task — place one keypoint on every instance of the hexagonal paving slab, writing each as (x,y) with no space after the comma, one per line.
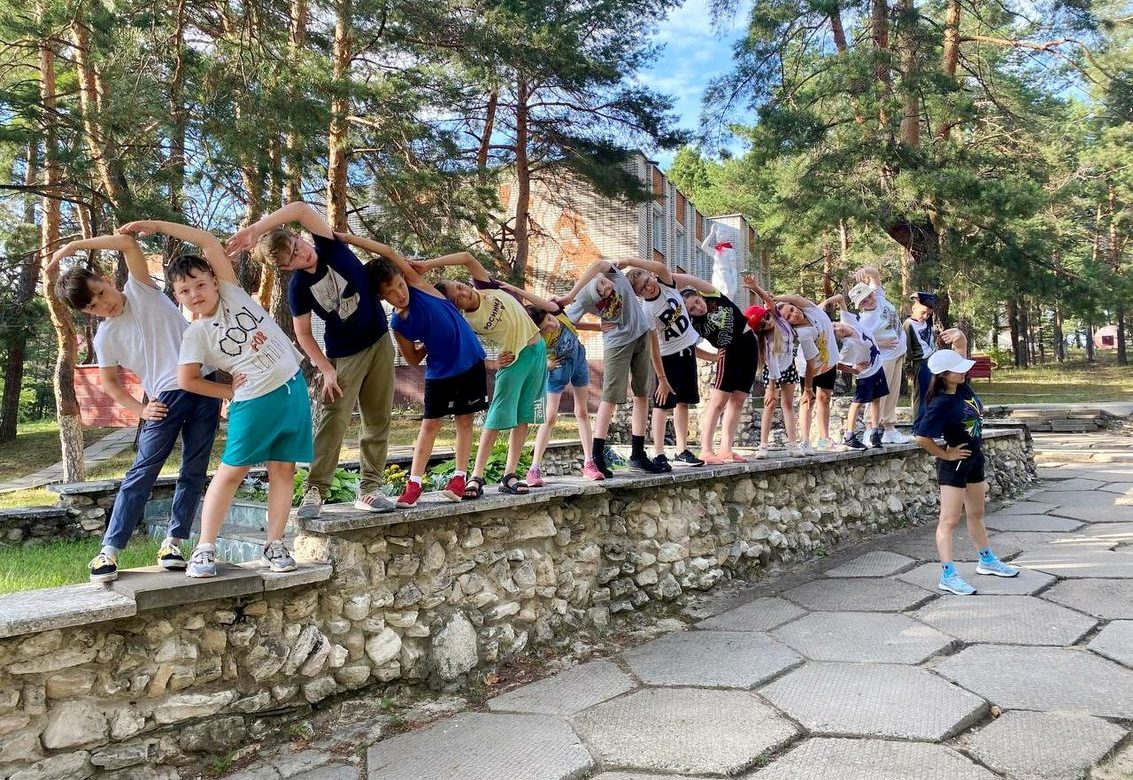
(1061,542)
(866,594)
(878,563)
(762,614)
(1027,508)
(862,637)
(1043,678)
(1015,620)
(1081,563)
(476,746)
(921,546)
(1115,642)
(710,659)
(637,776)
(1109,599)
(679,730)
(874,700)
(1030,523)
(824,758)
(1098,506)
(1044,745)
(567,692)
(1025,583)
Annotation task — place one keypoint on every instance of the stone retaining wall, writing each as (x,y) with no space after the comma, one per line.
(427,596)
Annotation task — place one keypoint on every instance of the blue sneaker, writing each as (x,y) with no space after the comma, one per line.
(996,567)
(954,583)
(202,563)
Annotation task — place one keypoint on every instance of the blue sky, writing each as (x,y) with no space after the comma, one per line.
(692,54)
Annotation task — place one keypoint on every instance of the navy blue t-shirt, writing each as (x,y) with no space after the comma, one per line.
(451,346)
(957,417)
(339,292)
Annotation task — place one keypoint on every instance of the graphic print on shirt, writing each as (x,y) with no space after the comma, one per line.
(494,315)
(722,318)
(328,294)
(674,319)
(973,417)
(244,330)
(610,308)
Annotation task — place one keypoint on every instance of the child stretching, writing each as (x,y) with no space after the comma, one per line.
(721,323)
(954,412)
(861,356)
(521,380)
(329,282)
(780,377)
(269,419)
(819,348)
(658,289)
(456,382)
(566,365)
(141,330)
(604,292)
(879,317)
(922,343)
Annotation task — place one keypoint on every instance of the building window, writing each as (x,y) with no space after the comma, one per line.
(659,230)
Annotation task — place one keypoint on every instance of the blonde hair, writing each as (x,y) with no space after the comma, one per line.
(271,243)
(636,276)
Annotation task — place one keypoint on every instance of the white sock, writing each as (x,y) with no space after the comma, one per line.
(416,479)
(459,473)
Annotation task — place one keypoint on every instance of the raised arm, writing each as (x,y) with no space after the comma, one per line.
(708,245)
(208,243)
(797,301)
(595,268)
(392,255)
(750,284)
(652,266)
(838,299)
(533,299)
(298,211)
(869,275)
(695,282)
(466,259)
(135,260)
(954,339)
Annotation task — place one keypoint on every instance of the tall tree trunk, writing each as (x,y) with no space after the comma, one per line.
(1122,350)
(1025,333)
(493,244)
(1091,356)
(1040,338)
(827,269)
(293,165)
(995,327)
(951,56)
(920,260)
(1013,326)
(178,127)
(1114,251)
(67,405)
(910,134)
(879,31)
(522,183)
(336,138)
(1058,337)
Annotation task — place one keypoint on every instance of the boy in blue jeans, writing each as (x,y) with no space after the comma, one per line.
(425,323)
(269,417)
(141,331)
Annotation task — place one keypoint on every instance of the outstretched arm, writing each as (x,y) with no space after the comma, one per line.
(708,245)
(954,338)
(533,299)
(795,300)
(312,222)
(839,299)
(750,283)
(208,243)
(135,260)
(869,275)
(466,259)
(663,386)
(392,255)
(695,282)
(652,266)
(595,268)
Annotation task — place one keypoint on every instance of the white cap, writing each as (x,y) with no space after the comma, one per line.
(859,292)
(949,360)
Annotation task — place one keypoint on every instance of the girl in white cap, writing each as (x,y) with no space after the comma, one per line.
(954,413)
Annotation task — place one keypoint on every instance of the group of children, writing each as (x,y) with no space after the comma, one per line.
(652,323)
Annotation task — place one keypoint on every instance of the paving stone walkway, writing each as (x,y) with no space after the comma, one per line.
(853,668)
(103,449)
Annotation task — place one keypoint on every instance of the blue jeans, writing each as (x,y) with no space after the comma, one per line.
(194,418)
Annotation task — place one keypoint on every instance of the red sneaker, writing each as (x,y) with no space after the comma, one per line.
(454,490)
(411,494)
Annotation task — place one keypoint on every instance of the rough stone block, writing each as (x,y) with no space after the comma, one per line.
(33,611)
(154,588)
(1115,642)
(1108,599)
(1026,583)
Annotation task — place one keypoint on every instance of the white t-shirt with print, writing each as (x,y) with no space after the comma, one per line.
(818,341)
(860,348)
(242,338)
(882,321)
(145,338)
(671,320)
(924,334)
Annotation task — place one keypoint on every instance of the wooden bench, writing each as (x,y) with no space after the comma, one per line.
(982,368)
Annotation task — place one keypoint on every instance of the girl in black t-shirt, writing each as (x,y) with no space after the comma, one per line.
(954,413)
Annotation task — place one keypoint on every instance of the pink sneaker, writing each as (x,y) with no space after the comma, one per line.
(589,471)
(711,458)
(534,477)
(733,457)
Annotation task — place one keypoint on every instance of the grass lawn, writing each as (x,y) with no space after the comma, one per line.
(37,446)
(1072,382)
(64,563)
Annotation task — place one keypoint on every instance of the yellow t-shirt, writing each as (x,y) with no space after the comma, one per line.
(502,320)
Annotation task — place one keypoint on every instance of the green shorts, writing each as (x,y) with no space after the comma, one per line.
(520,394)
(275,426)
(628,364)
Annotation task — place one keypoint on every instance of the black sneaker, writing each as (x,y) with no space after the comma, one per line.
(688,458)
(103,568)
(662,464)
(600,464)
(875,439)
(643,463)
(852,441)
(170,558)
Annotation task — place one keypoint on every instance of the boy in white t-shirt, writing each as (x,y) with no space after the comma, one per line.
(861,356)
(141,331)
(269,419)
(880,317)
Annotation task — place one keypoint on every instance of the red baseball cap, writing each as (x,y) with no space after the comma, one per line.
(755,315)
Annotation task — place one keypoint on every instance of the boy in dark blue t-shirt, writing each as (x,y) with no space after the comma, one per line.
(425,323)
(357,367)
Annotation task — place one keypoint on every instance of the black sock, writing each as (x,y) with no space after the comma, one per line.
(599,450)
(638,445)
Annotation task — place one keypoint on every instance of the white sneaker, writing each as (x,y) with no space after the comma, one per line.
(374,502)
(894,436)
(806,449)
(761,453)
(278,558)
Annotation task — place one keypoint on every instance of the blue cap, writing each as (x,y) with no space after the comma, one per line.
(925,299)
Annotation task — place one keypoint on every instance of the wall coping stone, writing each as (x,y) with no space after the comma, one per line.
(338,518)
(33,513)
(138,590)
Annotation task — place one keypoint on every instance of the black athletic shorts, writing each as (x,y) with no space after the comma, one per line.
(870,388)
(825,380)
(735,370)
(961,473)
(680,370)
(464,393)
